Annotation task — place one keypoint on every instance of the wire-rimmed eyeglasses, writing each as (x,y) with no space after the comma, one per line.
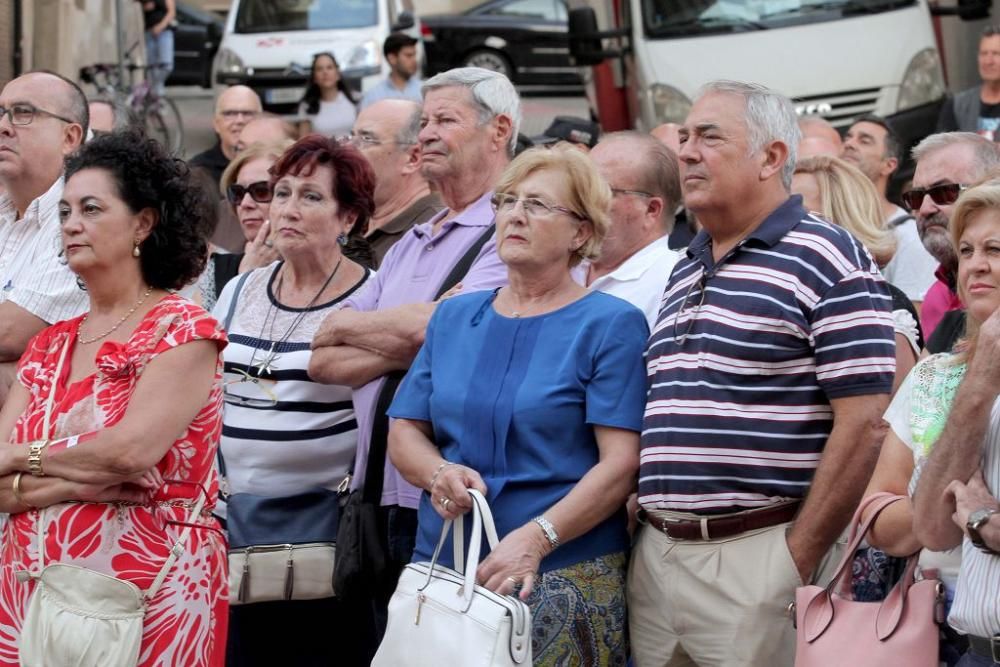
(504,202)
(241,388)
(702,285)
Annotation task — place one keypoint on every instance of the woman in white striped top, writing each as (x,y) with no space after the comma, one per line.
(284,434)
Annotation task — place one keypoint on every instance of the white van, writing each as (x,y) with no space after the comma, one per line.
(837,58)
(269,44)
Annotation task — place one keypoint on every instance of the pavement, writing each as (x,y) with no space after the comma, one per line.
(196,106)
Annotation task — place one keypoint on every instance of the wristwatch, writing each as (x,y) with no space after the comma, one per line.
(977,520)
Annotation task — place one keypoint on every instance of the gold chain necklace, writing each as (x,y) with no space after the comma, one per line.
(79,336)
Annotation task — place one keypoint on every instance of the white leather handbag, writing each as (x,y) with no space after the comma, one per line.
(439,616)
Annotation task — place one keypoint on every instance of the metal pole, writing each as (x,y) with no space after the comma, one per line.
(120,38)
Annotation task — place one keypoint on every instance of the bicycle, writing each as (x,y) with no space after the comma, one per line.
(159,115)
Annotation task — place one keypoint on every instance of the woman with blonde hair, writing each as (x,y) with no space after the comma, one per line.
(533,394)
(922,406)
(842,194)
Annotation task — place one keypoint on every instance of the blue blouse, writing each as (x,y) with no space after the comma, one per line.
(516,399)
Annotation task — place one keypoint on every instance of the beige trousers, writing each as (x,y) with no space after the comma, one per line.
(715,603)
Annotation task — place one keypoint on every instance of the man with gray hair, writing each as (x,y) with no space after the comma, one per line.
(468,133)
(386,133)
(947,163)
(636,258)
(767,385)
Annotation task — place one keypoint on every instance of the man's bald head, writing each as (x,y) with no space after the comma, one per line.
(58,92)
(235,107)
(266,129)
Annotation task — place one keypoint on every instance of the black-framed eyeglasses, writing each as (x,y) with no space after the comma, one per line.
(533,207)
(260,192)
(702,285)
(22,114)
(637,193)
(942,195)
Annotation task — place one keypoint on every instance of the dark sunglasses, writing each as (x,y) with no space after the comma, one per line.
(260,192)
(942,195)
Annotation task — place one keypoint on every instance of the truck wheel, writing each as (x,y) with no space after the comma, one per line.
(491,60)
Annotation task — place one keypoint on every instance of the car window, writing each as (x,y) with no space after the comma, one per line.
(275,15)
(542,10)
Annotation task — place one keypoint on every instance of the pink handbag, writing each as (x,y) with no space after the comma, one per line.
(833,629)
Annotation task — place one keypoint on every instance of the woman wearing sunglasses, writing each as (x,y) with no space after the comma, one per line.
(533,394)
(246,185)
(286,437)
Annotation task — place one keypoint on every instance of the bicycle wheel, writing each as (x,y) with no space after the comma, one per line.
(163,122)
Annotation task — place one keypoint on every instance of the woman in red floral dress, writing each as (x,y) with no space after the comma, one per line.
(136,409)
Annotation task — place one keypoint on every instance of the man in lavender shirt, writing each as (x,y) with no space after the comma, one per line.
(469,129)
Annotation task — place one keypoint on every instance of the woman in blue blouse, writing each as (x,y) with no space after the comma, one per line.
(534,394)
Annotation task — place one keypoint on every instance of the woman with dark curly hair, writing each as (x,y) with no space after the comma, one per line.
(327,106)
(115,420)
(286,437)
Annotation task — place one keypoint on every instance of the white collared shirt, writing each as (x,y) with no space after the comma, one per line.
(30,273)
(640,280)
(911,268)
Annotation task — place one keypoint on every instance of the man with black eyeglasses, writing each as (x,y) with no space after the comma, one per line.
(235,107)
(386,134)
(947,163)
(43,118)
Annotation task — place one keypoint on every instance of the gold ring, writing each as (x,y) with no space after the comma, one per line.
(444,503)
(513,581)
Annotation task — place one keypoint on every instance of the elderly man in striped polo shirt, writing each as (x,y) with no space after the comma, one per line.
(769,368)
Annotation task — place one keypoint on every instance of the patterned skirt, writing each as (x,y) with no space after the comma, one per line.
(578,615)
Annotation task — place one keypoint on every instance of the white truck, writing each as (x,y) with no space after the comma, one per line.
(269,44)
(836,58)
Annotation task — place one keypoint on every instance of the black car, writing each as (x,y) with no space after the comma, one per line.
(524,39)
(197,35)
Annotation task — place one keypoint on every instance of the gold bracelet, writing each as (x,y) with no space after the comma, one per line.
(16,488)
(35,448)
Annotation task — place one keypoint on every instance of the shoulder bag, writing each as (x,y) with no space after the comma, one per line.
(363,560)
(834,629)
(77,616)
(283,547)
(439,616)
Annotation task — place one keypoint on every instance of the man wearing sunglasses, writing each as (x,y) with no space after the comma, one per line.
(43,118)
(872,146)
(947,163)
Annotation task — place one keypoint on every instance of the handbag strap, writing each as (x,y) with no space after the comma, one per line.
(378,443)
(458,540)
(177,549)
(225,325)
(859,529)
(47,434)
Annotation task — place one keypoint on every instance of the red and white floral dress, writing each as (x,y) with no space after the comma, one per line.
(186,621)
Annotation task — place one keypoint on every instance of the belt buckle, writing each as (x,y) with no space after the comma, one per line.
(995,648)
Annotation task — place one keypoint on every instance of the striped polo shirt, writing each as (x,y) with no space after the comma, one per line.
(745,357)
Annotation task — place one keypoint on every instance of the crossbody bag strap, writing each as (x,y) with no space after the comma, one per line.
(225,325)
(463,265)
(178,548)
(47,434)
(375,470)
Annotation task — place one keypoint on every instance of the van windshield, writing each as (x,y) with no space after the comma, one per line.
(685,18)
(278,15)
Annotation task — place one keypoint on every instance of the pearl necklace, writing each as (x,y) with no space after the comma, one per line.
(79,336)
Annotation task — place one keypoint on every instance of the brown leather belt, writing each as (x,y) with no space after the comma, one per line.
(713,528)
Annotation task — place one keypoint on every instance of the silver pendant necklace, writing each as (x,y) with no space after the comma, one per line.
(268,364)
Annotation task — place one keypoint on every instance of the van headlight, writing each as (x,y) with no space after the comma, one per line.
(669,104)
(364,60)
(230,63)
(923,81)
